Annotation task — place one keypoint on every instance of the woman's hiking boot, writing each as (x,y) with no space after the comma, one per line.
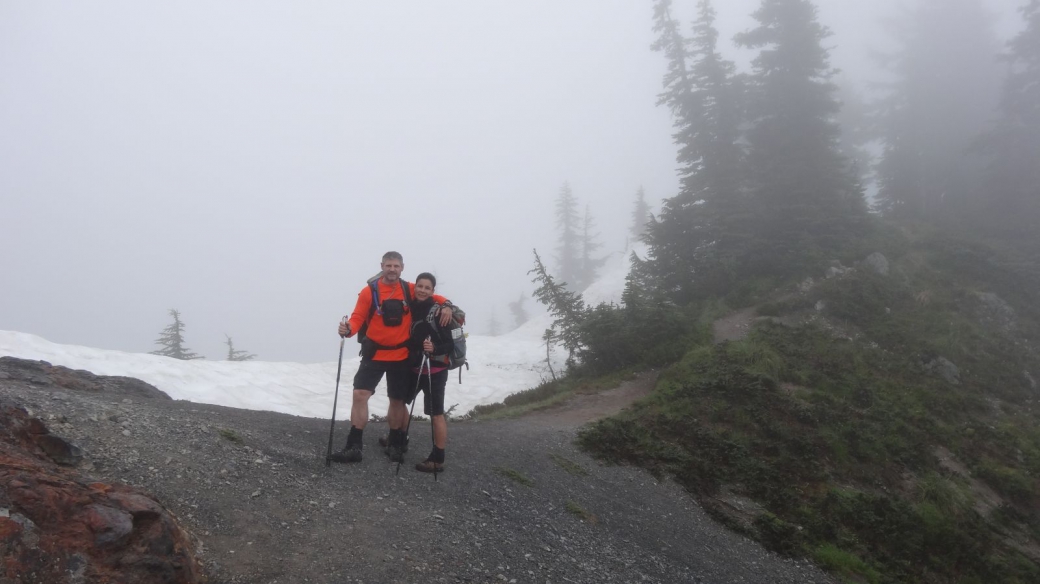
(434,462)
(430,466)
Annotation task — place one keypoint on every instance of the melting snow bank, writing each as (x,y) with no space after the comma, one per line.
(499,366)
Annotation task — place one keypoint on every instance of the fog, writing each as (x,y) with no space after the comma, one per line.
(248,163)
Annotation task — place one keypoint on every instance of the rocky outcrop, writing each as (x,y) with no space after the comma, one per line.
(57,527)
(43,373)
(994,311)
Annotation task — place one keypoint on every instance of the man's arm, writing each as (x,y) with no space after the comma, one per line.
(360,314)
(446,309)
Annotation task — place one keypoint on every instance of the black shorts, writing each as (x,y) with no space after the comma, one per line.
(433,401)
(371,372)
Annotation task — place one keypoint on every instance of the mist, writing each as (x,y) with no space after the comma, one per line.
(249,163)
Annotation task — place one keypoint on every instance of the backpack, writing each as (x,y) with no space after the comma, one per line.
(369,347)
(456,358)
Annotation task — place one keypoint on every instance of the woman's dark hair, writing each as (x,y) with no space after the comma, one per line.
(427,276)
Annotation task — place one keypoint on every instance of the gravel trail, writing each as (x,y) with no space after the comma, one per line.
(517,502)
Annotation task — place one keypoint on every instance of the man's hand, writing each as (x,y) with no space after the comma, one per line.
(445,316)
(344,328)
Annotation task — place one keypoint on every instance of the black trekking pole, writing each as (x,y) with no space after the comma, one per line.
(335,399)
(433,434)
(415,398)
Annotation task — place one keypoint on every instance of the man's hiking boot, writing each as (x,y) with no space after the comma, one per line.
(430,466)
(395,453)
(350,453)
(384,441)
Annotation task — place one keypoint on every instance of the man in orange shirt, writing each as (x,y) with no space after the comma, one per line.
(382,316)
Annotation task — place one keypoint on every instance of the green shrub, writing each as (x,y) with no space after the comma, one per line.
(845,563)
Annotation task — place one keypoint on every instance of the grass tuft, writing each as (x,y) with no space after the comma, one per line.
(514,475)
(231,436)
(569,465)
(579,512)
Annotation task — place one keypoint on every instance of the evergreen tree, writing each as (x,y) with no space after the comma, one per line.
(569,242)
(171,339)
(945,87)
(806,194)
(858,129)
(640,216)
(494,329)
(236,355)
(705,227)
(566,308)
(588,265)
(1013,174)
(517,308)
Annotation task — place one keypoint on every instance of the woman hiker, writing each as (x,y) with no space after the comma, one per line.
(435,341)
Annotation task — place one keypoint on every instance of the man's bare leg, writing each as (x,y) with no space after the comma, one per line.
(397,415)
(358,418)
(359,408)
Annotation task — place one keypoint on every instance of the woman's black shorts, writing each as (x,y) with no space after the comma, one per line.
(433,400)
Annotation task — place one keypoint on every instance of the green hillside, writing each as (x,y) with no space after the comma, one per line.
(882,424)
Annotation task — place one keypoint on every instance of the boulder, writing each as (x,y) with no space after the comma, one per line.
(878,262)
(57,527)
(835,269)
(944,368)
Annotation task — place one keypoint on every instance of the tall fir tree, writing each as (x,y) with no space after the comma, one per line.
(944,91)
(568,247)
(517,308)
(806,195)
(234,354)
(1013,145)
(640,216)
(589,264)
(171,340)
(706,225)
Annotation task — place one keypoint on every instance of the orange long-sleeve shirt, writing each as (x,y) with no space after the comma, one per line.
(387,336)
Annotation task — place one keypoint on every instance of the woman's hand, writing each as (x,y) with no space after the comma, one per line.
(427,345)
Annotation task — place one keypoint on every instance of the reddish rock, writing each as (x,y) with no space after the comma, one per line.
(57,528)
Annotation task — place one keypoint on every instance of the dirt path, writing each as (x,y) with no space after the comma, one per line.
(584,408)
(517,503)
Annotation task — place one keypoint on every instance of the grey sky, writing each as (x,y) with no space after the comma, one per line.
(249,162)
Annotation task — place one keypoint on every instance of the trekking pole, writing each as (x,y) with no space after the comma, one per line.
(433,434)
(335,399)
(415,398)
